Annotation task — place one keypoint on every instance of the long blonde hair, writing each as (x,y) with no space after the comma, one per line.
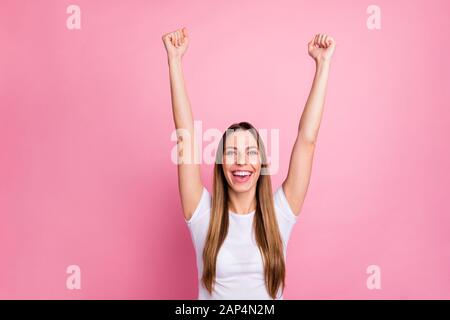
(265,224)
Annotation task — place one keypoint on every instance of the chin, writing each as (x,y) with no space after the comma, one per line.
(241,187)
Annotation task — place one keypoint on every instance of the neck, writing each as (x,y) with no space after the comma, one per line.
(242,202)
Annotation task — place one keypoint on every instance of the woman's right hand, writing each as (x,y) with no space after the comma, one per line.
(176,43)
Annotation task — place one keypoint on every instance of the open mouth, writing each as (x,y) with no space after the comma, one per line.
(241,176)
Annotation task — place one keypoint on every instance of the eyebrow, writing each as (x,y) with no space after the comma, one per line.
(251,147)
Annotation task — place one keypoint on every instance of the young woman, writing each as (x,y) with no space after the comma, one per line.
(241,231)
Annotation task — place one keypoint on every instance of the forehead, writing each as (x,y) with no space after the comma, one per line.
(241,139)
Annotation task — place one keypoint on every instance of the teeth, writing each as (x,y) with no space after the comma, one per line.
(241,173)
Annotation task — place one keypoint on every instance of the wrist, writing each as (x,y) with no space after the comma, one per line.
(174,60)
(322,62)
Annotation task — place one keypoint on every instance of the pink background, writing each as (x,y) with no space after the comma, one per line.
(86,176)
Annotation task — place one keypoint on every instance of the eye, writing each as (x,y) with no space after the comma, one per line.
(230,152)
(253,152)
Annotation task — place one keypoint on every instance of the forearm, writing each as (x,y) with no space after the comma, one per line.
(181,108)
(309,124)
(182,114)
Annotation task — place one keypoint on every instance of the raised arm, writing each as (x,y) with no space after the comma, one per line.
(295,186)
(189,179)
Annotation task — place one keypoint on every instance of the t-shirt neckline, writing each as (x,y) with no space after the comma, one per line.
(242,215)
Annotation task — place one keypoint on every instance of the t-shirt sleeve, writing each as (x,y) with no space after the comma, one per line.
(199,222)
(285,216)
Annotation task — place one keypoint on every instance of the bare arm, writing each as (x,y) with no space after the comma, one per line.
(189,178)
(296,184)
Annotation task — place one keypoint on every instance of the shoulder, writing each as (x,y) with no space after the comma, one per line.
(199,222)
(285,216)
(282,206)
(203,206)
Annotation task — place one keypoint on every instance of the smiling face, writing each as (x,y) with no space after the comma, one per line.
(241,161)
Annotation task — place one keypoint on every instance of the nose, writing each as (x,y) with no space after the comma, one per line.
(241,158)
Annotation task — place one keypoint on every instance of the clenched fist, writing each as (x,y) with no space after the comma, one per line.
(176,43)
(321,47)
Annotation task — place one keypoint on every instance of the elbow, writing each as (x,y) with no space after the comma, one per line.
(307,139)
(309,145)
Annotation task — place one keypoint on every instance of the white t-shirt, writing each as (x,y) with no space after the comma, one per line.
(239,267)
